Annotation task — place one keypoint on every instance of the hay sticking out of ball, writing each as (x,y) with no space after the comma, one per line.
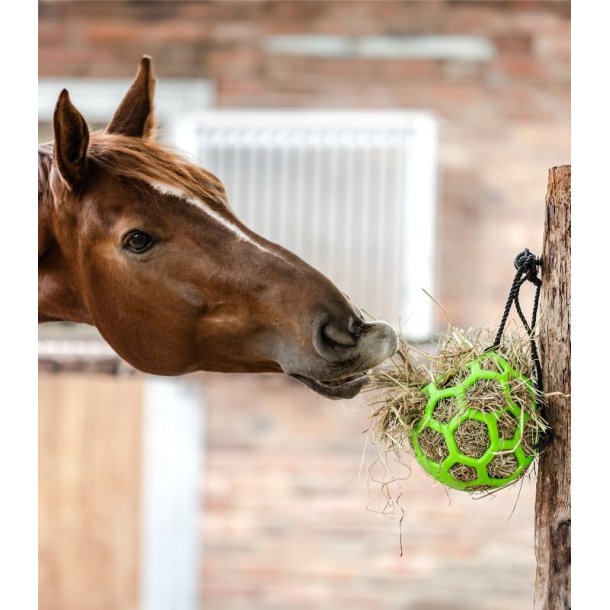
(484,395)
(433,445)
(463,472)
(401,402)
(507,426)
(502,465)
(472,438)
(446,409)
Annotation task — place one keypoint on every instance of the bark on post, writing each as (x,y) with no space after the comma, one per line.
(553,527)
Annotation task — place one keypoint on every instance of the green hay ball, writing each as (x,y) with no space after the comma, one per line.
(441,429)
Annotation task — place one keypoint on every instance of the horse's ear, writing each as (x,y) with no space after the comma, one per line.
(135,115)
(71,139)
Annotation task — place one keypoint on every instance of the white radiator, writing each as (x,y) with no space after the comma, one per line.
(352,193)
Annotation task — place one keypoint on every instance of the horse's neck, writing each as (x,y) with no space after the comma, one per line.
(58,295)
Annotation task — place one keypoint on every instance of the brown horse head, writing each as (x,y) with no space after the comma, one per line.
(141,243)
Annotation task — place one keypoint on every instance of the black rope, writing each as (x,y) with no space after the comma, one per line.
(527,265)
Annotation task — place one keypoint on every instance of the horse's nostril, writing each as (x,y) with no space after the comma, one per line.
(338,337)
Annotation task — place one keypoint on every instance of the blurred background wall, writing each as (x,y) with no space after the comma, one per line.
(504,112)
(283,520)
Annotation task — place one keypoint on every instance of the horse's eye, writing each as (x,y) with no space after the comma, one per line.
(139,242)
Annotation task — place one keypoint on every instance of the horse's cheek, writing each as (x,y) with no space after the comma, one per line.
(143,324)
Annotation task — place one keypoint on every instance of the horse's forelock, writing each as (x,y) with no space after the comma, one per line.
(148,162)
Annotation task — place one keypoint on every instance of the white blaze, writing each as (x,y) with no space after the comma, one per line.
(168,189)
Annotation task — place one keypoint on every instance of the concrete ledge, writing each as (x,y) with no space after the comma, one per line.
(80,356)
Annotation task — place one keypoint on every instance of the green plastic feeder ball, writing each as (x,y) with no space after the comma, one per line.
(478,434)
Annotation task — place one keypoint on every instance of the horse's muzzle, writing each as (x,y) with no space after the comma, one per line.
(348,353)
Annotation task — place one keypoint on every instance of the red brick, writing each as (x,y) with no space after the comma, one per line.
(111,31)
(514,43)
(521,68)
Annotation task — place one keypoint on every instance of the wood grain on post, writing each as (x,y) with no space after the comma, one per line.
(553,526)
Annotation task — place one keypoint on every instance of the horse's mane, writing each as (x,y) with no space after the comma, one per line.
(144,161)
(45,160)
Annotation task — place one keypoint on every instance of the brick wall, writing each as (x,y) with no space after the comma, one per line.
(503,122)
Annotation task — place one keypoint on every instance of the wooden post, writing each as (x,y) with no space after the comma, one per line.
(553,527)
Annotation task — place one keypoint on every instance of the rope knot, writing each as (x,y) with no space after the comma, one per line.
(527,264)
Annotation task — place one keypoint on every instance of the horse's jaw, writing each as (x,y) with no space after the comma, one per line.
(336,389)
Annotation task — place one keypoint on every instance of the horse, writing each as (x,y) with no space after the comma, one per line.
(140,242)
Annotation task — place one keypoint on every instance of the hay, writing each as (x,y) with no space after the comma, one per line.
(401,401)
(472,438)
(507,426)
(433,445)
(502,465)
(446,409)
(484,395)
(463,473)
